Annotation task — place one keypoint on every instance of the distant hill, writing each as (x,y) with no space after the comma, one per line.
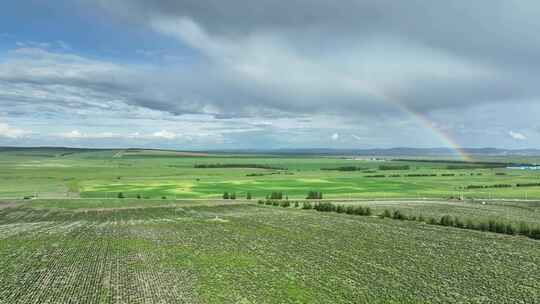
(399,151)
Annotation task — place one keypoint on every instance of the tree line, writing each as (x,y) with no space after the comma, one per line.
(254,166)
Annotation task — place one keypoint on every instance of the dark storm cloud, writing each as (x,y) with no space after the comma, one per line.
(308,55)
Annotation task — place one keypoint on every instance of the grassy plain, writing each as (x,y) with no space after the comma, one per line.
(156,251)
(78,243)
(157,174)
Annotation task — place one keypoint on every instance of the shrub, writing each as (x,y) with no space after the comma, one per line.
(314,195)
(432,221)
(394,167)
(120,195)
(368,212)
(276,195)
(325,207)
(524,229)
(350,210)
(260,202)
(232,196)
(226,195)
(509,229)
(296,204)
(534,234)
(446,220)
(248,196)
(397,215)
(307,206)
(285,204)
(386,213)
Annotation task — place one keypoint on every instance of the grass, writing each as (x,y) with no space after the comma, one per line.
(160,251)
(154,174)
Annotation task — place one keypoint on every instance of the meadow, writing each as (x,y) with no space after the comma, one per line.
(168,251)
(162,174)
(146,226)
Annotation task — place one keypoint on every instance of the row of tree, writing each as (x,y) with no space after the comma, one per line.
(345,168)
(232,195)
(314,195)
(454,221)
(446,220)
(254,166)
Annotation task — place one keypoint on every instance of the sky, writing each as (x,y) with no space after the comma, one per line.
(266,74)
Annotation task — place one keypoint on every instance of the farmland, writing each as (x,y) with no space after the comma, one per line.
(154,175)
(67,237)
(237,252)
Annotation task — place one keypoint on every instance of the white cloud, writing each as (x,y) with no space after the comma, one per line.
(7,131)
(76,134)
(517,135)
(164,134)
(357,137)
(335,136)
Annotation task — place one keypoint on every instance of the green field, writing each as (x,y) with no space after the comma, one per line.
(155,174)
(230,252)
(173,239)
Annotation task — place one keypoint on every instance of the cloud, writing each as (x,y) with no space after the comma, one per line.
(76,134)
(364,56)
(335,136)
(159,135)
(164,134)
(517,135)
(11,132)
(286,71)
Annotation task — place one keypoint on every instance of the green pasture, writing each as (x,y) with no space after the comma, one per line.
(153,175)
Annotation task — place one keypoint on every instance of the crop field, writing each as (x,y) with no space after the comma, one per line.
(147,226)
(144,174)
(167,251)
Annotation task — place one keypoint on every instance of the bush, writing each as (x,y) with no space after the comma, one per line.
(446,220)
(120,195)
(285,204)
(260,202)
(325,207)
(432,221)
(307,206)
(534,234)
(248,196)
(359,210)
(314,195)
(368,212)
(386,213)
(276,195)
(350,210)
(296,204)
(397,215)
(394,167)
(226,195)
(232,196)
(524,229)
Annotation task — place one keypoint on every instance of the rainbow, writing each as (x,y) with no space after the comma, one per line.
(422,120)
